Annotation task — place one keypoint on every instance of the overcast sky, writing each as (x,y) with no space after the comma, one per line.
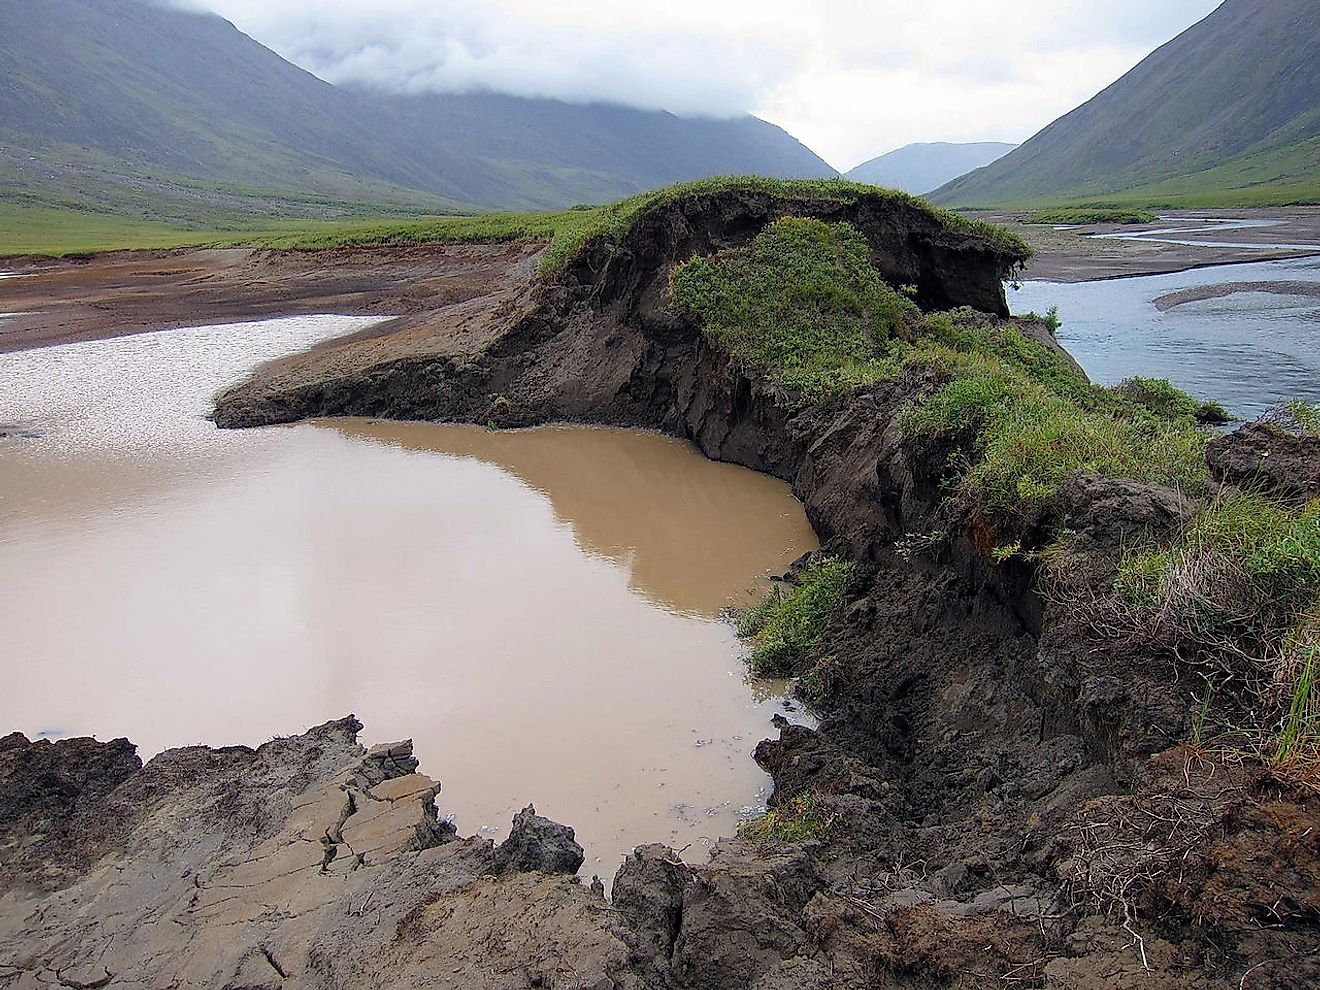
(851,78)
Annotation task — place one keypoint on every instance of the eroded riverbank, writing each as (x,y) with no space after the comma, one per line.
(986,801)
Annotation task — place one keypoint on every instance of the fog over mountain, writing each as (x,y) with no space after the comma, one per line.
(126,106)
(843,76)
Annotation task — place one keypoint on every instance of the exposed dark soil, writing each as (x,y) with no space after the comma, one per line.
(1007,797)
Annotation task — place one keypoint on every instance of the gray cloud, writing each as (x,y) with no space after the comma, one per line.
(852,78)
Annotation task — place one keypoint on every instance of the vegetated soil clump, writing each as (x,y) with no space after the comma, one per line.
(1005,790)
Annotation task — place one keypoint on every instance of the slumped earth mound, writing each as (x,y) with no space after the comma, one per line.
(1063,638)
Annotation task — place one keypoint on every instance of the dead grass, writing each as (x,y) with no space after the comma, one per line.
(1235,599)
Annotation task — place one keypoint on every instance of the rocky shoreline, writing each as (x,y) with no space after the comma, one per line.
(1007,798)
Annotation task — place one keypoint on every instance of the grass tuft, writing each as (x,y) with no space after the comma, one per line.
(1297,744)
(1307,417)
(1031,429)
(802,819)
(1159,397)
(786,626)
(1299,418)
(1238,593)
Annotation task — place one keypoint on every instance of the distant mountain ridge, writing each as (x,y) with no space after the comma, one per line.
(919,168)
(1229,108)
(131,106)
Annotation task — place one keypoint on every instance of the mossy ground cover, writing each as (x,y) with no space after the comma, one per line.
(803,307)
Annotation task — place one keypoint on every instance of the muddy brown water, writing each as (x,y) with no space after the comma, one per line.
(539,610)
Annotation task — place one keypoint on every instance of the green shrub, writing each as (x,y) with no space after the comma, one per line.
(801,819)
(786,626)
(1162,399)
(802,305)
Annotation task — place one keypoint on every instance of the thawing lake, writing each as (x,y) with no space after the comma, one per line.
(539,610)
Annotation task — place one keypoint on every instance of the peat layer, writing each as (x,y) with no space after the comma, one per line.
(998,794)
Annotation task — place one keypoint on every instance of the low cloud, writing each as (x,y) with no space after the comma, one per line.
(851,78)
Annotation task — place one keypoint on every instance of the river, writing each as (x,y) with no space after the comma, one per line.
(1247,335)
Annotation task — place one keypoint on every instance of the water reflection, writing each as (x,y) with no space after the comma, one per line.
(492,595)
(689,533)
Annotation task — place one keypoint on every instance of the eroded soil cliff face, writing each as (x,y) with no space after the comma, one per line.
(1002,797)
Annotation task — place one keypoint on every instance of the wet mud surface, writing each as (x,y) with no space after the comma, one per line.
(60,301)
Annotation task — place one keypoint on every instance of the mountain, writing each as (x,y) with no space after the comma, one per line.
(919,168)
(1227,111)
(131,106)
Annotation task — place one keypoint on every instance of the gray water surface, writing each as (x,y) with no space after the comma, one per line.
(1250,350)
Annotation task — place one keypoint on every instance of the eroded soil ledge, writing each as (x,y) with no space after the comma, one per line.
(1008,799)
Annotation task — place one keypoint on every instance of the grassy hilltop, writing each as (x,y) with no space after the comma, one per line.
(1224,115)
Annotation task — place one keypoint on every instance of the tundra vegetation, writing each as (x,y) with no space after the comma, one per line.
(1234,595)
(25,230)
(786,626)
(802,818)
(803,307)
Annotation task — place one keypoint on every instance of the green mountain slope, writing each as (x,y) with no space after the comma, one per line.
(129,106)
(1229,111)
(919,168)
